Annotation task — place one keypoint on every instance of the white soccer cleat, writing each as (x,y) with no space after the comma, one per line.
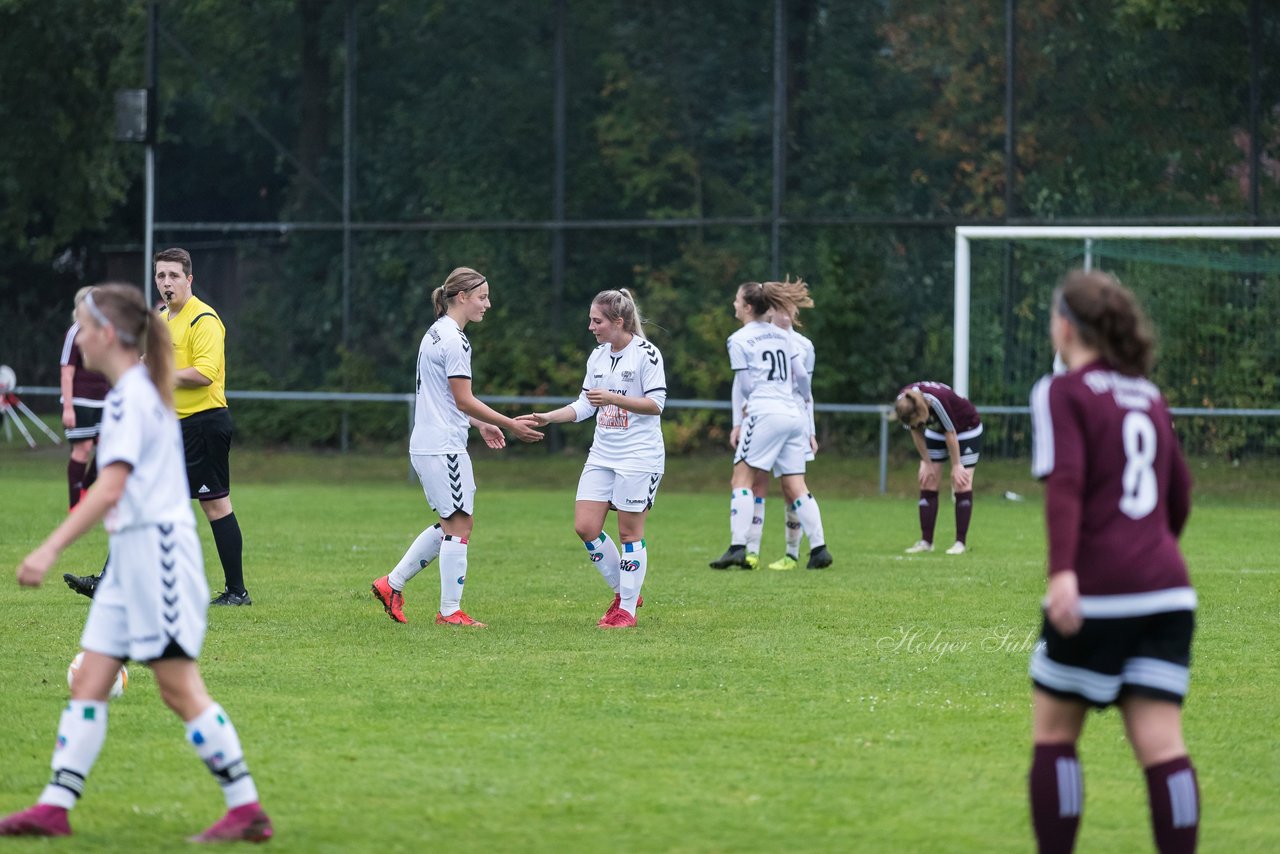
(957,549)
(921,546)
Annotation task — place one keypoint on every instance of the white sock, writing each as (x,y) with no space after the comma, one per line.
(604,554)
(756,532)
(740,504)
(635,560)
(82,729)
(425,549)
(794,533)
(453,573)
(214,737)
(810,518)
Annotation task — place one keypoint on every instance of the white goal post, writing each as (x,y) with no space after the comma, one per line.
(1087,233)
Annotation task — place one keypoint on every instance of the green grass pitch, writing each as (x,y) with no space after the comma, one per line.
(882,705)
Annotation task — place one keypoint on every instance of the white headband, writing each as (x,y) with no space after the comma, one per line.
(102,320)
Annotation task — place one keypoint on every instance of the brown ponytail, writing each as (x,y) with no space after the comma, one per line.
(462,279)
(1108,318)
(786,296)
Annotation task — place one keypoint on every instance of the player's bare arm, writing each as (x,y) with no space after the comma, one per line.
(563,415)
(90,510)
(65,381)
(478,409)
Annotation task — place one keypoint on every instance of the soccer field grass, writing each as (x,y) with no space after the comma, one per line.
(882,705)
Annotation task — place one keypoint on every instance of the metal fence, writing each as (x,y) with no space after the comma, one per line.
(882,412)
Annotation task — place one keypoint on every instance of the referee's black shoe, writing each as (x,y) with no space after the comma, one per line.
(735,556)
(819,558)
(227,597)
(85,585)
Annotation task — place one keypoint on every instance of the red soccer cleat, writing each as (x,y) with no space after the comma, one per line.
(617,603)
(459,618)
(242,824)
(392,600)
(39,820)
(619,619)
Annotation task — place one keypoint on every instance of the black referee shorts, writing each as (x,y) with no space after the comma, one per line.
(206,441)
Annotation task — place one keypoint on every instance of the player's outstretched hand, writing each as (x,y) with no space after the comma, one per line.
(35,566)
(1062,604)
(536,419)
(492,435)
(524,431)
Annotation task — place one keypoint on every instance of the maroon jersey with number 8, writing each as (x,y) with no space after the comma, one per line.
(1117,490)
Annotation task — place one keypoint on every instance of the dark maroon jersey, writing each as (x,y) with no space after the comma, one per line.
(1117,490)
(948,411)
(87,387)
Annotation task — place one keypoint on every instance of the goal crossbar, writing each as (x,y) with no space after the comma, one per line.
(967,233)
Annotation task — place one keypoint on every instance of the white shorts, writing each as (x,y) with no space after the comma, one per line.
(627,491)
(774,441)
(448,481)
(154,594)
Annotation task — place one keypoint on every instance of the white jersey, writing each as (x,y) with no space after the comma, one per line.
(809,357)
(624,440)
(138,429)
(439,426)
(765,351)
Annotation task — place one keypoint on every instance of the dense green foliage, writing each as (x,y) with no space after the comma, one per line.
(894,129)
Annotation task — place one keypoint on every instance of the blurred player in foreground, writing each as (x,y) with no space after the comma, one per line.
(1120,609)
(152,604)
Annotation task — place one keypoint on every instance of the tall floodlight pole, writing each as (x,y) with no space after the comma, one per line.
(136,119)
(779,134)
(153,115)
(348,191)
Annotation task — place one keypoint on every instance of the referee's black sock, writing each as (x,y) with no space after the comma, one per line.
(226,536)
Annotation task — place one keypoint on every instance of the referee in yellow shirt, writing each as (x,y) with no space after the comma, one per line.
(201,401)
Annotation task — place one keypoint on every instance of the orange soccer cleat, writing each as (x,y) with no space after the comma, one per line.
(392,600)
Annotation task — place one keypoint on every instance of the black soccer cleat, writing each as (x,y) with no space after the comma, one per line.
(819,558)
(226,597)
(735,556)
(85,585)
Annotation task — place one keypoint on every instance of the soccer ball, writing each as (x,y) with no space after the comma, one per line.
(117,688)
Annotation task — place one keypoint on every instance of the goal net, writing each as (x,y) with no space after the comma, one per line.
(1213,294)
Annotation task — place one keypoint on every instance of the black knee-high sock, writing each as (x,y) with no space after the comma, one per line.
(226,536)
(91,474)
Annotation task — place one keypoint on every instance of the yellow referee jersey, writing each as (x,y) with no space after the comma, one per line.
(198,342)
